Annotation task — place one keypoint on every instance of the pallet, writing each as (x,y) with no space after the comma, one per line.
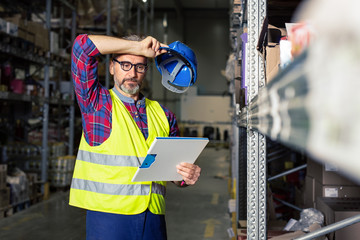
(12,209)
(21,206)
(6,211)
(36,199)
(59,188)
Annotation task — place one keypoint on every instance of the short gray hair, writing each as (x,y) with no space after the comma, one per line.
(134,38)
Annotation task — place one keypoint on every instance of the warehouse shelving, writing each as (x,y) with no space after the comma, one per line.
(36,99)
(26,55)
(46,59)
(292,109)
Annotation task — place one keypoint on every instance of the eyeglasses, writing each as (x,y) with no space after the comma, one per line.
(127,66)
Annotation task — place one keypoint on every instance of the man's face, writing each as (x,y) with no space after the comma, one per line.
(128,82)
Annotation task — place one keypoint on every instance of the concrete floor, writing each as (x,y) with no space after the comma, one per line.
(196,212)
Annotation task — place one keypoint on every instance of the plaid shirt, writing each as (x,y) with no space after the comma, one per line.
(94,99)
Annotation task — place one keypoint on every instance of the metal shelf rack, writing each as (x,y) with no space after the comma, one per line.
(291,109)
(28,55)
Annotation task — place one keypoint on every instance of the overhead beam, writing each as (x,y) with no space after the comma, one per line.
(179,9)
(180,18)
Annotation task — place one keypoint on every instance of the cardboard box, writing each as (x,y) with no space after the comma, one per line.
(309,199)
(337,209)
(3,173)
(23,32)
(271,234)
(12,29)
(277,235)
(336,191)
(314,189)
(54,42)
(41,35)
(269,48)
(296,234)
(237,8)
(23,29)
(4,197)
(8,27)
(272,59)
(3,167)
(2,25)
(326,174)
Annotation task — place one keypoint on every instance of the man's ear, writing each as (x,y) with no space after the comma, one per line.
(111,67)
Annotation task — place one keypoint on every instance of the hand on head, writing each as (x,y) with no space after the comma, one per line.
(151,47)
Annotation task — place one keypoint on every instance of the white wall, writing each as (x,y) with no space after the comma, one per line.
(207,34)
(205,108)
(213,111)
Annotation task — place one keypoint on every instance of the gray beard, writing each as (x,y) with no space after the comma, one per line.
(128,90)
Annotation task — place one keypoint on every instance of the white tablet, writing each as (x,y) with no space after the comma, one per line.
(163,156)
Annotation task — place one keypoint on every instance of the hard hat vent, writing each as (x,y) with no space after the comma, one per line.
(178,67)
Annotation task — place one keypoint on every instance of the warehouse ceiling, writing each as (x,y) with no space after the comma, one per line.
(93,12)
(192,4)
(278,11)
(276,8)
(281,11)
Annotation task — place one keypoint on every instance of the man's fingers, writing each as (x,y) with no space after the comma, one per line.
(163,45)
(160,50)
(188,167)
(152,47)
(190,172)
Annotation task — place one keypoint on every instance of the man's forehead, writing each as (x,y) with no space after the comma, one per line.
(131,58)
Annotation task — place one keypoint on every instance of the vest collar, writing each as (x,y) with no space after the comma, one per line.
(128,99)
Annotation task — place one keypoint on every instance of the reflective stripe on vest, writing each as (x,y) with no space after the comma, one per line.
(109,160)
(158,189)
(118,189)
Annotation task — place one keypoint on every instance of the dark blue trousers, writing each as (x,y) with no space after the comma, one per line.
(108,226)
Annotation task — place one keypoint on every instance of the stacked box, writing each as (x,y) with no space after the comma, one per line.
(19,187)
(327,174)
(62,164)
(54,42)
(3,25)
(337,209)
(61,170)
(237,8)
(4,197)
(41,35)
(324,180)
(61,179)
(8,27)
(269,48)
(4,190)
(22,29)
(33,188)
(3,173)
(57,149)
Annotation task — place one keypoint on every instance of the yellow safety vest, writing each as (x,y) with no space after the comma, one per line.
(102,174)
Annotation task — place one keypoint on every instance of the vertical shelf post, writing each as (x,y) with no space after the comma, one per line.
(72,93)
(256,142)
(146,17)
(44,150)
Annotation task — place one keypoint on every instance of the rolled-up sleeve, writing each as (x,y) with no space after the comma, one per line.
(93,99)
(91,95)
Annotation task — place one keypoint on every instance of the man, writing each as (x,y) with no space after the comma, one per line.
(119,126)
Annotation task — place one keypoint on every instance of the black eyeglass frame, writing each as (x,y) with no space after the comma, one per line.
(138,64)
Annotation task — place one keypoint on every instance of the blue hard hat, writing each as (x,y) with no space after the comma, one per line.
(178,67)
